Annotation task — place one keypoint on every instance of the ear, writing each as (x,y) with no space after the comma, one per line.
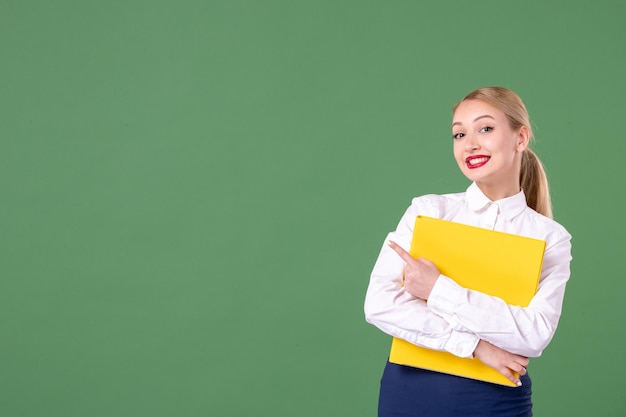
(523,139)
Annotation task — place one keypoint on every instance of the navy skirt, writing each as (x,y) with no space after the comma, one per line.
(414,392)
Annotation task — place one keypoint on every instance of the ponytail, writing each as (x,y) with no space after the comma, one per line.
(534,183)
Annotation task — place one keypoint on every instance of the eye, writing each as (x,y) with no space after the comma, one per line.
(486,129)
(458,135)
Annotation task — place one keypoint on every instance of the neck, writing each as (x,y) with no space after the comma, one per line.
(498,192)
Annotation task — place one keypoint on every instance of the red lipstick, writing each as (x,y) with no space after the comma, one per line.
(476,161)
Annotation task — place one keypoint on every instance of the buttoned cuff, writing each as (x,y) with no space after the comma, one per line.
(444,298)
(462,344)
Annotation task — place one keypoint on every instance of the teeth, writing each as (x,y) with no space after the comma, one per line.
(476,161)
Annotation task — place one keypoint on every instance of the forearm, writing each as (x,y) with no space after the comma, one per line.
(516,329)
(396,312)
(521,330)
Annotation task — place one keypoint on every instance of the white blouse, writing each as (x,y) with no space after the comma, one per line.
(454,318)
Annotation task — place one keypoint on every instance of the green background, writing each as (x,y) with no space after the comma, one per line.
(193,193)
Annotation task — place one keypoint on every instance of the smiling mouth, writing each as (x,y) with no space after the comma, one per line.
(476,161)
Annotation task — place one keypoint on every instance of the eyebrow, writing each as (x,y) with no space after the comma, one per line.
(476,119)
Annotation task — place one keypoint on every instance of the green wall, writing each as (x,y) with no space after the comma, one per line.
(193,193)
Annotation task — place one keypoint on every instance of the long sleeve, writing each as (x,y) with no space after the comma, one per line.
(522,330)
(396,312)
(454,318)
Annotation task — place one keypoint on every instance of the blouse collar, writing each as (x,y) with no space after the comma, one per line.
(509,207)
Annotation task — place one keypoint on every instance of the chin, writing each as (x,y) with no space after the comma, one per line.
(472,176)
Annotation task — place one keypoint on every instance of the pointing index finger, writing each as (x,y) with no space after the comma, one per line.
(406,256)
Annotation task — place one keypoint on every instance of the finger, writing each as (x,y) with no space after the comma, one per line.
(426,262)
(511,376)
(519,368)
(524,361)
(406,256)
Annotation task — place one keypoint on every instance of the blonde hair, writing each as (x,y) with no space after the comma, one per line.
(533,179)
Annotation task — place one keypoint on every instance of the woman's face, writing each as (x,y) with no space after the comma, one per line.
(487,150)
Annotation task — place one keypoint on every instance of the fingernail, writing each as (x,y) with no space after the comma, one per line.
(388,243)
(519,383)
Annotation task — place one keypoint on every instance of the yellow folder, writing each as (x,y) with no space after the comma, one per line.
(496,263)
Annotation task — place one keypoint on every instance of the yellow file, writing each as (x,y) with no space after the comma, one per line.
(499,264)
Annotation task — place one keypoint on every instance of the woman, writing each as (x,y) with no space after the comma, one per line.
(408,298)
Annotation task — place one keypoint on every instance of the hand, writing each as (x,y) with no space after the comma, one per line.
(420,275)
(502,361)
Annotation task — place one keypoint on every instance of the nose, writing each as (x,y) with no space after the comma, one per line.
(471,144)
